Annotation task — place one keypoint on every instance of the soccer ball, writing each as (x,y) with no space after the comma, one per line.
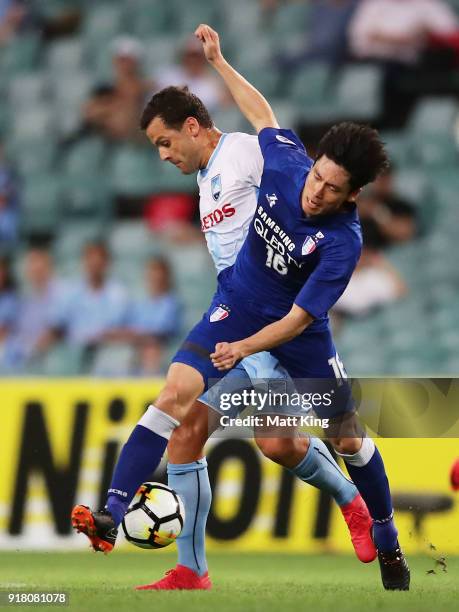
(155,517)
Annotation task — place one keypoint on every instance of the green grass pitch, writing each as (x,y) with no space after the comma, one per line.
(258,582)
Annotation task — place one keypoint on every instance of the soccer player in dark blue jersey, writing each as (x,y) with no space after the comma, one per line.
(301,250)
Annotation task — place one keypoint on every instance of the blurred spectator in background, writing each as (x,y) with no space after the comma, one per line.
(8,302)
(386,217)
(375,283)
(114,108)
(398,34)
(9,204)
(149,360)
(96,306)
(43,295)
(326,34)
(158,314)
(194,71)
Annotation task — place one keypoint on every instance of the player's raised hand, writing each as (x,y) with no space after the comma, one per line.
(226,355)
(210,42)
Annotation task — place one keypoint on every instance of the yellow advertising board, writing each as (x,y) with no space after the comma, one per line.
(59,441)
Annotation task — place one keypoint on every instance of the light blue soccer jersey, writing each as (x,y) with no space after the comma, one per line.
(228,189)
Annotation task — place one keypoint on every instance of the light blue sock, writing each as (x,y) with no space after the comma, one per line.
(319,469)
(191,482)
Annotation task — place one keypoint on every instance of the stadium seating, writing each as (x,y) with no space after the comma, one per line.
(132,171)
(69,190)
(41,204)
(131,240)
(149,18)
(73,236)
(359,92)
(65,57)
(113,360)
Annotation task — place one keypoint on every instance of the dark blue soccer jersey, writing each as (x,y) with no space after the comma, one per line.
(288,257)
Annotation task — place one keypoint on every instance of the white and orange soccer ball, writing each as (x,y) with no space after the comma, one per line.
(155,518)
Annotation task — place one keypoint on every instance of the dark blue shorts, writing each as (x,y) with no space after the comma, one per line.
(310,358)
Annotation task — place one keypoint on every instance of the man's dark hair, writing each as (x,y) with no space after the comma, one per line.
(358,149)
(173,105)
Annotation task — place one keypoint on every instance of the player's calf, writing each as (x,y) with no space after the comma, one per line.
(312,462)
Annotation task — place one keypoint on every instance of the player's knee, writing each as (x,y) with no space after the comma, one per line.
(278,450)
(188,435)
(168,400)
(347,446)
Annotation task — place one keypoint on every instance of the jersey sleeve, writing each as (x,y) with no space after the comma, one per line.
(248,160)
(329,279)
(281,149)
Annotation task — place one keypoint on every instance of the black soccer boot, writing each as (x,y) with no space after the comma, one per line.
(395,573)
(98,526)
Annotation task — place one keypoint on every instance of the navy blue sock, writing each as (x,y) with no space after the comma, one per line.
(139,457)
(371,481)
(385,534)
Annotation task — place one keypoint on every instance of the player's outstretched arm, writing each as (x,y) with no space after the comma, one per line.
(252,104)
(294,323)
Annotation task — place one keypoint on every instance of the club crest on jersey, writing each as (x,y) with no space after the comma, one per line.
(310,243)
(285,140)
(272,199)
(219,313)
(216,186)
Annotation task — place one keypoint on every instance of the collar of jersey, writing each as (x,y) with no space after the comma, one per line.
(205,170)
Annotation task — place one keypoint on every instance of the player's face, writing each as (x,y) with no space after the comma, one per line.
(326,189)
(179,147)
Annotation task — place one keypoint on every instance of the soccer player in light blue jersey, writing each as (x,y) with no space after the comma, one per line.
(301,249)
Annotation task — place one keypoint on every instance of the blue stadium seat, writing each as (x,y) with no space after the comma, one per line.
(41,199)
(310,84)
(33,158)
(27,90)
(133,170)
(168,178)
(131,240)
(88,197)
(148,18)
(289,19)
(103,22)
(65,57)
(20,55)
(359,92)
(85,158)
(37,123)
(62,360)
(72,237)
(434,116)
(188,15)
(399,148)
(412,184)
(113,360)
(435,150)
